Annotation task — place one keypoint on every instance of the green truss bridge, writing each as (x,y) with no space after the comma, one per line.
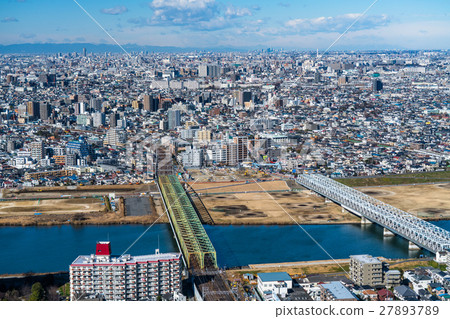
(197,249)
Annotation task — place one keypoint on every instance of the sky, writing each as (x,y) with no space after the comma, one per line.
(287,24)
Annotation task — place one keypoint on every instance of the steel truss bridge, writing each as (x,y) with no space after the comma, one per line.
(192,238)
(417,231)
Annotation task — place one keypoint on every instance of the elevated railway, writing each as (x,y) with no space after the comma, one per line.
(416,230)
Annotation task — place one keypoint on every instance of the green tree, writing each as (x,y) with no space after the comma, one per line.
(37,292)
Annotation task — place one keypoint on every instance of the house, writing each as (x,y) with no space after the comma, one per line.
(335,290)
(385,295)
(405,293)
(276,282)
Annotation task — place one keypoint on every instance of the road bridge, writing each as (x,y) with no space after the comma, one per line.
(417,231)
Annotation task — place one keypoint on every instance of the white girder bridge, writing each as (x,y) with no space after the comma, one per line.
(417,231)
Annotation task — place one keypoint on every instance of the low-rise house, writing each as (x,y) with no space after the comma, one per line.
(405,293)
(385,295)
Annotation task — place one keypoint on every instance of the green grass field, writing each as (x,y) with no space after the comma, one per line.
(411,178)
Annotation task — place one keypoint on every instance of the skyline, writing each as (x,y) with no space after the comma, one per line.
(215,24)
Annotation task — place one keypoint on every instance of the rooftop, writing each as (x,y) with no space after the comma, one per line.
(122,260)
(366,259)
(338,290)
(274,276)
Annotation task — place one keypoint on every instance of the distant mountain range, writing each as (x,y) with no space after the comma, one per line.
(97,48)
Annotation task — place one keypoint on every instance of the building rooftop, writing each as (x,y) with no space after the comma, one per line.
(367,259)
(122,260)
(338,290)
(274,276)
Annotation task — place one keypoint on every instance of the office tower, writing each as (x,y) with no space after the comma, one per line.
(343,80)
(33,109)
(84,52)
(136,105)
(82,108)
(244,96)
(209,70)
(203,70)
(113,120)
(98,119)
(377,85)
(125,277)
(37,150)
(366,270)
(95,104)
(147,103)
(174,118)
(317,77)
(44,111)
(150,103)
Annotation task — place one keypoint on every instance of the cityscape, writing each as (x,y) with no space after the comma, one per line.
(184,172)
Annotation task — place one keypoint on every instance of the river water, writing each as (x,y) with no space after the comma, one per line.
(47,249)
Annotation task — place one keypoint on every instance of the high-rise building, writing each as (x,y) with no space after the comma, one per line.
(343,80)
(80,147)
(44,111)
(113,120)
(366,270)
(95,104)
(174,119)
(136,105)
(150,103)
(33,109)
(317,77)
(377,85)
(98,119)
(108,277)
(209,70)
(37,150)
(244,96)
(84,52)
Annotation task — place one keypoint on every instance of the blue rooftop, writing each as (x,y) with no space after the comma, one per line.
(338,290)
(274,276)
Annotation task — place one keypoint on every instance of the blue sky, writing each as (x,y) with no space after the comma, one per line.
(290,24)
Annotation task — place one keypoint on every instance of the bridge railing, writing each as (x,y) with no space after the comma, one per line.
(404,224)
(194,241)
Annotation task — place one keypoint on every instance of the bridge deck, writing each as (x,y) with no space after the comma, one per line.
(418,231)
(192,237)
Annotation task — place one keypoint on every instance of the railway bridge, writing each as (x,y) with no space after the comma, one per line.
(417,231)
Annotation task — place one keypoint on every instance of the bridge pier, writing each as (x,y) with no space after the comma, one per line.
(365,221)
(413,246)
(387,233)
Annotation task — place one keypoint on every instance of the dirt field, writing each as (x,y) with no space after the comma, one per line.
(51,206)
(78,211)
(263,208)
(423,201)
(52,192)
(251,186)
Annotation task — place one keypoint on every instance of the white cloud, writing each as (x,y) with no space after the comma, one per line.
(237,12)
(115,10)
(9,19)
(193,14)
(337,24)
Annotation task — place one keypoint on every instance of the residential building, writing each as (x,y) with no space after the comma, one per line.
(366,270)
(336,291)
(124,277)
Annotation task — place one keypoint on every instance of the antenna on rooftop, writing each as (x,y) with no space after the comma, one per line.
(157,250)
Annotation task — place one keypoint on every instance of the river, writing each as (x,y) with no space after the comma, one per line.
(48,249)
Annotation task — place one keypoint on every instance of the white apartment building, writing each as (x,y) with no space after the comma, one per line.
(126,277)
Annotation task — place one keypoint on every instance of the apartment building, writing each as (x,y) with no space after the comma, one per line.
(102,275)
(366,270)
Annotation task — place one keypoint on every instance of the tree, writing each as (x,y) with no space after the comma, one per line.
(37,292)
